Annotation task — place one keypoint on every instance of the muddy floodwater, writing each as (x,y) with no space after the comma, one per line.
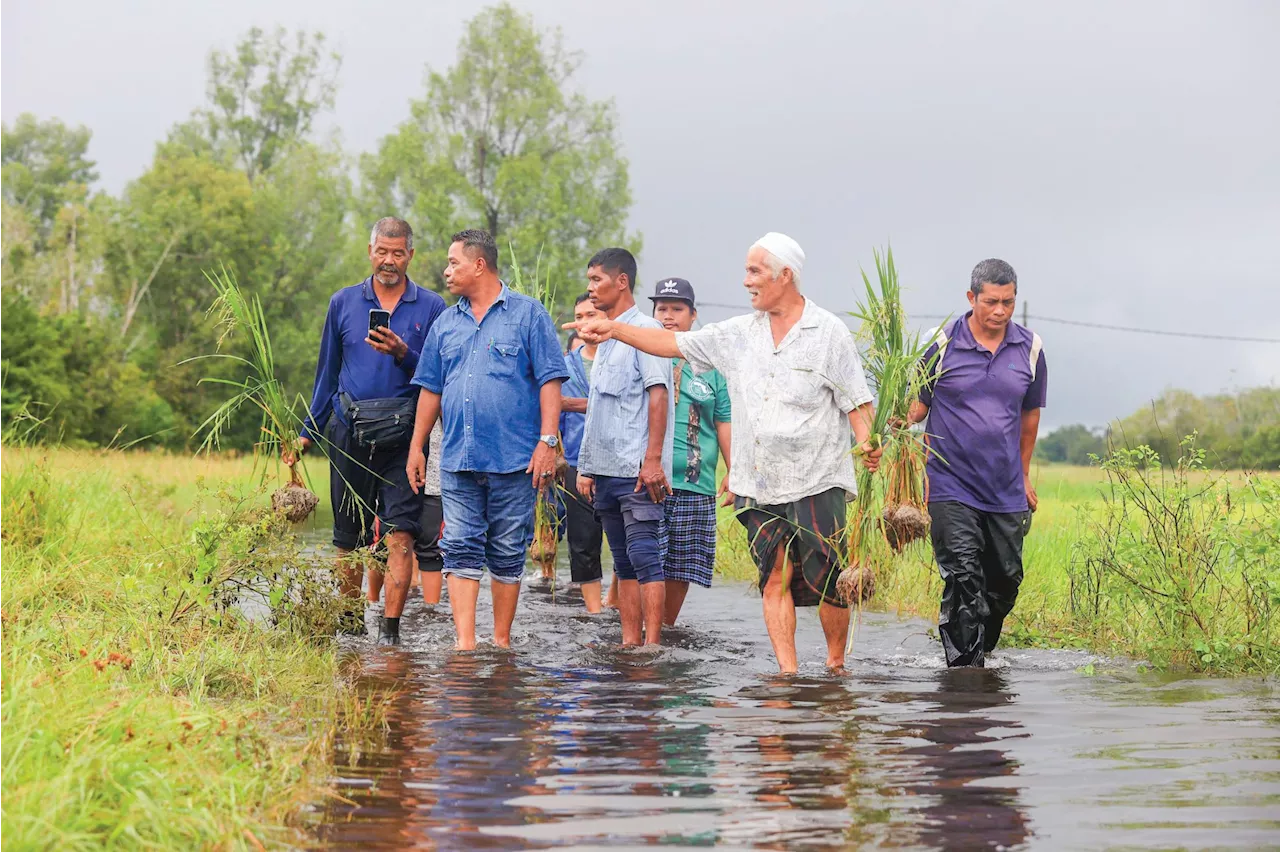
(566,741)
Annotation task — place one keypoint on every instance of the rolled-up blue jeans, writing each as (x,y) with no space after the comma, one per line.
(632,523)
(488,522)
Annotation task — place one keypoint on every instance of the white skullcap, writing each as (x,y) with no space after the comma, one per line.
(784,249)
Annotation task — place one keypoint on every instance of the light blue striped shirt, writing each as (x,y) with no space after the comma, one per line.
(616,434)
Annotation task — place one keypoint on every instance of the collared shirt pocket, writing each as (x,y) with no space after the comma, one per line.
(504,359)
(611,378)
(803,389)
(450,360)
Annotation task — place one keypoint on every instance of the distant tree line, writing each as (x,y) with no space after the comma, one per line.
(1239,430)
(104,296)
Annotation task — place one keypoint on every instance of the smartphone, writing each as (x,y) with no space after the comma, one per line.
(379,319)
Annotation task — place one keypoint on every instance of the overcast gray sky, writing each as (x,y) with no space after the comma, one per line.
(1122,156)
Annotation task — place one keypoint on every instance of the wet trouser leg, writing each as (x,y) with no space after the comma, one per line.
(1002,566)
(979,556)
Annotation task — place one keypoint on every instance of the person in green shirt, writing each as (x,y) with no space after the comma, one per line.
(688,538)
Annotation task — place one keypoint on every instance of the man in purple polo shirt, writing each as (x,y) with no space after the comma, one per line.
(983,412)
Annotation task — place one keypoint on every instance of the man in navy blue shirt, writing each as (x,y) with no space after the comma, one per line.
(490,370)
(984,414)
(358,364)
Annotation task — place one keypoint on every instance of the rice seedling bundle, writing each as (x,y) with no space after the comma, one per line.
(238,312)
(546,536)
(889,514)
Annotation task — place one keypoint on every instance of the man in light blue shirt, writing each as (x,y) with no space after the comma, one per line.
(491,370)
(624,464)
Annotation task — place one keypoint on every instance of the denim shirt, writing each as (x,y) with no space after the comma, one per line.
(571,423)
(348,364)
(489,375)
(616,434)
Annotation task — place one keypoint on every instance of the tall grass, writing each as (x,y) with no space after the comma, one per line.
(133,717)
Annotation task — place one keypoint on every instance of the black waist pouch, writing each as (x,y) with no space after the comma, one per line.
(380,424)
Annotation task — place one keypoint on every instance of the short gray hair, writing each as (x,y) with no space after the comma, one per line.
(393,229)
(992,271)
(776,266)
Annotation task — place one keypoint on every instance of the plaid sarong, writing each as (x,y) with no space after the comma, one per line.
(812,533)
(687,542)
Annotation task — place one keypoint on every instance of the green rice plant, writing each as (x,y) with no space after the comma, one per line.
(890,510)
(534,284)
(546,521)
(235,311)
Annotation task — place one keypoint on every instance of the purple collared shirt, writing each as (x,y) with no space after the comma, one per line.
(975,418)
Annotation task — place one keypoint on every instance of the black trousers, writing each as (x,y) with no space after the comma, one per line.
(585,534)
(979,555)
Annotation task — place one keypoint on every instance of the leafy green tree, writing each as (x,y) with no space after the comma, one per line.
(1235,430)
(44,167)
(1071,445)
(264,98)
(501,141)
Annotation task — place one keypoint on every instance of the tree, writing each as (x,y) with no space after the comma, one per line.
(44,167)
(500,141)
(1071,445)
(263,99)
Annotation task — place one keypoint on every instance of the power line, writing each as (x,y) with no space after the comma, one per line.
(1102,326)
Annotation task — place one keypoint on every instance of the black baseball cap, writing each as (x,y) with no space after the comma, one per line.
(673,288)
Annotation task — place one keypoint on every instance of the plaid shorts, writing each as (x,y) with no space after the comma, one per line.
(688,539)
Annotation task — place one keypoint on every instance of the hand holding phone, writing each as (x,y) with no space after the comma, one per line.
(382,338)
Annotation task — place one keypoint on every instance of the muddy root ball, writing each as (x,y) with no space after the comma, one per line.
(856,584)
(542,551)
(294,501)
(904,524)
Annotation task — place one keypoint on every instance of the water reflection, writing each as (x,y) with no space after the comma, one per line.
(570,741)
(963,759)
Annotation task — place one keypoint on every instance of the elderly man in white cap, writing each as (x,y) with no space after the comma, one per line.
(797,390)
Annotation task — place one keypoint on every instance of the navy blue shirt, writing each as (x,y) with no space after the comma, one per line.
(489,375)
(348,364)
(975,418)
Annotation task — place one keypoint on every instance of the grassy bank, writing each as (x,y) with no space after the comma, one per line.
(1210,568)
(140,708)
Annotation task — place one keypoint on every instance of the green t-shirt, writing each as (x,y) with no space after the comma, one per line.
(704,402)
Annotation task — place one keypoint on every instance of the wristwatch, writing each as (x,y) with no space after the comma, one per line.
(550,440)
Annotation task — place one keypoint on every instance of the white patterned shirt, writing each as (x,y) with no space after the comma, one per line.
(435,447)
(791,433)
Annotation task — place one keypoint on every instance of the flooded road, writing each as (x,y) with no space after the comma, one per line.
(569,742)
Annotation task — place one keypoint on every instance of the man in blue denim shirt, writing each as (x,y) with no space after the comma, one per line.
(491,370)
(362,364)
(624,465)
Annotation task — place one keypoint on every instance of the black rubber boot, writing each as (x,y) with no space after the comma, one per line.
(389,632)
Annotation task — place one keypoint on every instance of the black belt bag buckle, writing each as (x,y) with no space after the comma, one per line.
(380,424)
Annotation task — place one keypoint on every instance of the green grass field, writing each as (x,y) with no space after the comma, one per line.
(132,718)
